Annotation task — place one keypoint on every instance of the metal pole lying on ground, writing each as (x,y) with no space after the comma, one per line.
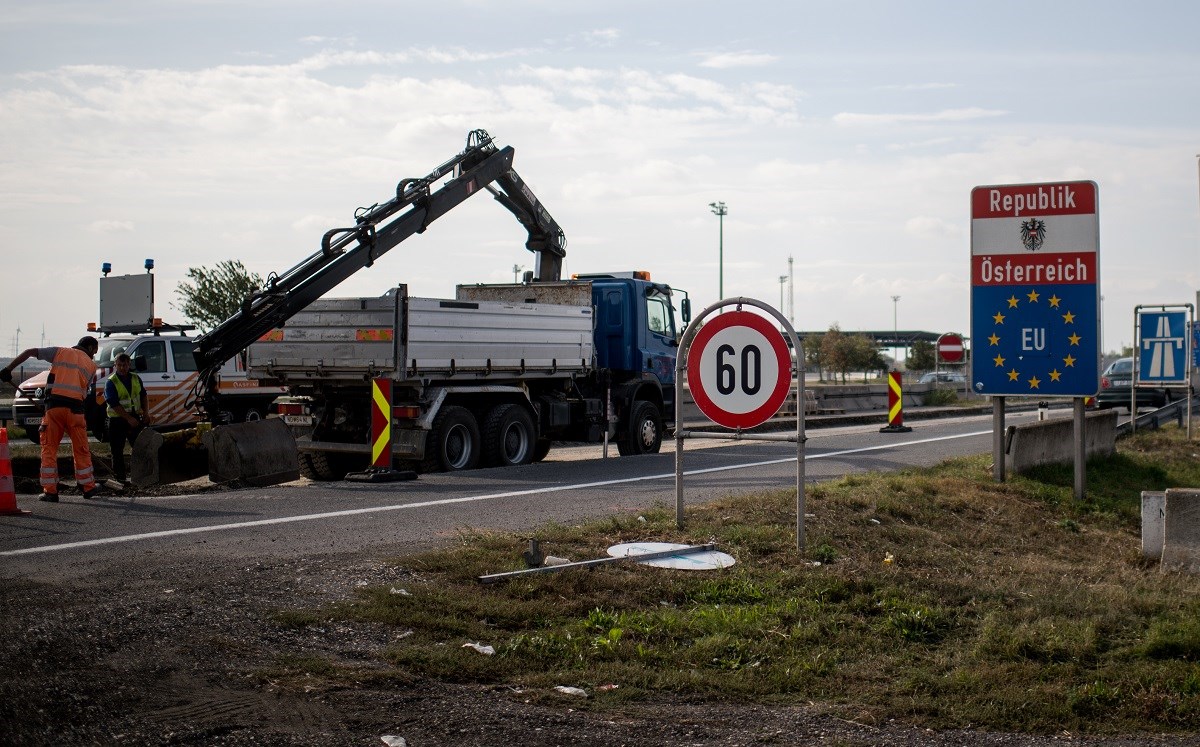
(493,577)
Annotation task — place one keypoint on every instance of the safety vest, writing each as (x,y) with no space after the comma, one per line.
(72,370)
(130,400)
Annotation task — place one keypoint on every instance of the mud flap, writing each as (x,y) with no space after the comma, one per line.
(262,452)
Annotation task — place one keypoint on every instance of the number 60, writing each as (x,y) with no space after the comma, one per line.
(751,372)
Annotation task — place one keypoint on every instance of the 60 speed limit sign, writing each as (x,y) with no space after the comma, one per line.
(739,370)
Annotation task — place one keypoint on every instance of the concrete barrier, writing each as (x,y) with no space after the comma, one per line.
(1181,530)
(1153,517)
(1053,441)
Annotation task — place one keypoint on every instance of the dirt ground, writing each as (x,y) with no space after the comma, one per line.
(181,653)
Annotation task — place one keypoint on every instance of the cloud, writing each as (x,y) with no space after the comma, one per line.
(729,60)
(946,115)
(111,226)
(926,227)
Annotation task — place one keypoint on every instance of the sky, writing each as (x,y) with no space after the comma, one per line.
(844,139)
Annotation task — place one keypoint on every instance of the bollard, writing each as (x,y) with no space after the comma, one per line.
(895,406)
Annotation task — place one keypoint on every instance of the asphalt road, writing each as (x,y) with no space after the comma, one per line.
(68,539)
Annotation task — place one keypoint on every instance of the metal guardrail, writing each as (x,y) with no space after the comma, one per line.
(1175,411)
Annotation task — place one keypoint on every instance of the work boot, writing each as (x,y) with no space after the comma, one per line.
(49,497)
(95,491)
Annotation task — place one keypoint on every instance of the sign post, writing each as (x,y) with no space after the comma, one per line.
(1035,297)
(1163,341)
(739,369)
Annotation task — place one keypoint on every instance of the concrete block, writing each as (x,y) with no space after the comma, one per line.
(1053,441)
(1181,530)
(1152,523)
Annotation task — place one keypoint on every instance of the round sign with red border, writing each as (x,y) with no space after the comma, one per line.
(739,370)
(950,348)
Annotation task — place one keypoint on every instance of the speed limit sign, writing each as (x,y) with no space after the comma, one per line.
(739,370)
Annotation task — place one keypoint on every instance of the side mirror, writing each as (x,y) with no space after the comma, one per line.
(685,310)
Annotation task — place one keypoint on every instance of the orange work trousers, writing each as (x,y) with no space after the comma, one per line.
(57,421)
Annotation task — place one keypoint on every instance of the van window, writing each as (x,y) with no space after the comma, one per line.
(181,354)
(154,354)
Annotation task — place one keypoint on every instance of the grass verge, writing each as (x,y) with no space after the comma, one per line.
(936,597)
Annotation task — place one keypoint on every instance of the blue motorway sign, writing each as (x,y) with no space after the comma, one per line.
(1035,278)
(1162,347)
(1195,344)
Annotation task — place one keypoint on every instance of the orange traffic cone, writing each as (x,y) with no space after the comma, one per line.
(8,493)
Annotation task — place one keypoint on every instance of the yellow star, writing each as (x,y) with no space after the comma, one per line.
(1054,301)
(998,318)
(1074,339)
(1055,375)
(1013,375)
(1032,296)
(1069,318)
(1069,361)
(1033,383)
(999,359)
(1012,302)
(994,339)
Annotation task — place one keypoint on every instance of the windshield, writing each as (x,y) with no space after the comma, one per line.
(109,349)
(1122,366)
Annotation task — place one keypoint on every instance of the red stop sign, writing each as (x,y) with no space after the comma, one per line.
(950,348)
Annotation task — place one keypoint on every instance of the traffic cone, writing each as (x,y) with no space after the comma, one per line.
(8,494)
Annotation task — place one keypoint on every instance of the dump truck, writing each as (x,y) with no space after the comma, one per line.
(490,377)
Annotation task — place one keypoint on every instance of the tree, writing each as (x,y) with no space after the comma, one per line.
(835,354)
(215,293)
(921,357)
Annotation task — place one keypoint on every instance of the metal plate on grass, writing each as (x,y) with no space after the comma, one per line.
(700,561)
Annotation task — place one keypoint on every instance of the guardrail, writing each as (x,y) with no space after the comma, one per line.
(1153,419)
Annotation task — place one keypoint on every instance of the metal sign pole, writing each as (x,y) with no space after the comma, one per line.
(998,439)
(685,345)
(1080,448)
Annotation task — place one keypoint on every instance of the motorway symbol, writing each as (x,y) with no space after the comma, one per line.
(1162,351)
(739,370)
(1035,297)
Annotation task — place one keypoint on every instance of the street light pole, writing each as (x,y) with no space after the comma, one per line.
(720,211)
(895,333)
(782,280)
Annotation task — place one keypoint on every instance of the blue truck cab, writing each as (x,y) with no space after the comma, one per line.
(637,341)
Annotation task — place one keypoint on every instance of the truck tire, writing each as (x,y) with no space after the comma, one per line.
(541,448)
(508,436)
(323,467)
(453,443)
(645,431)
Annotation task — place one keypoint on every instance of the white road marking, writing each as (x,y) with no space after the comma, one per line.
(466,499)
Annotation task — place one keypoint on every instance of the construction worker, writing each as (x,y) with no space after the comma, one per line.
(71,372)
(128,412)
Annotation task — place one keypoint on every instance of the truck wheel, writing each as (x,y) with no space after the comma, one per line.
(541,448)
(453,442)
(508,436)
(645,431)
(322,467)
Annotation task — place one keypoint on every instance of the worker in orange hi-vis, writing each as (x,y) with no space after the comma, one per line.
(71,372)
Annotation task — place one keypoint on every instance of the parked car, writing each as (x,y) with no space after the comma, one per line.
(27,405)
(943,377)
(1116,383)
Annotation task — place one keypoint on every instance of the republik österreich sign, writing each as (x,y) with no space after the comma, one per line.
(1035,289)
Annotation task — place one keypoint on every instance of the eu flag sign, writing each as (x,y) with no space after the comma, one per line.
(1035,290)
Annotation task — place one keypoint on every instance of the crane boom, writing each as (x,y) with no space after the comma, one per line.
(379,228)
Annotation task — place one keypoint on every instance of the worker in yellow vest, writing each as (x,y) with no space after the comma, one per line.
(128,412)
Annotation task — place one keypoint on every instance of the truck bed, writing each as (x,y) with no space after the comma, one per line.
(412,338)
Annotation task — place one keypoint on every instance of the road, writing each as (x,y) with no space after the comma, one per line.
(68,539)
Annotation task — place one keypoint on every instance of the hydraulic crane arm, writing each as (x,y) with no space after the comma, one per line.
(379,228)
